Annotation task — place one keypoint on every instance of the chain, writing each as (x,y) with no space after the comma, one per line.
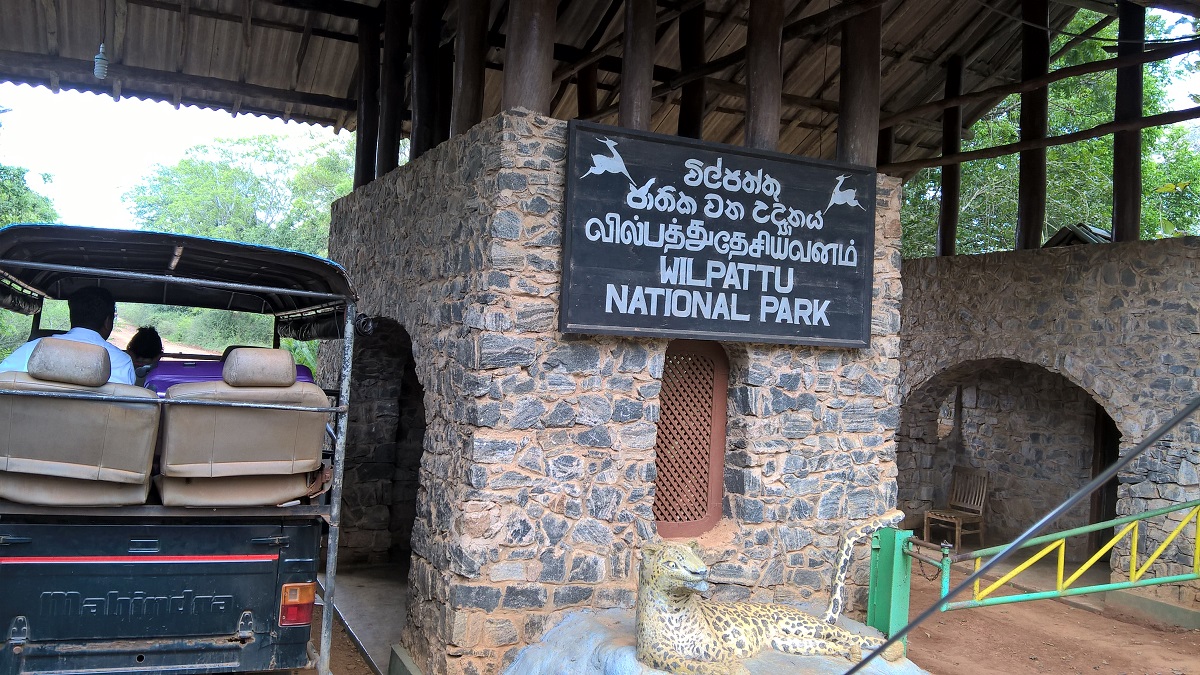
(921,570)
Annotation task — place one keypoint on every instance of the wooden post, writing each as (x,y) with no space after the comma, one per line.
(367,135)
(426,21)
(397,19)
(858,117)
(585,91)
(764,74)
(1035,61)
(951,174)
(529,55)
(887,141)
(691,55)
(1127,145)
(444,100)
(470,49)
(637,65)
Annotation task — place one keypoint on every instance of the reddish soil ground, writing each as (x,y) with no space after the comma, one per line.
(1044,636)
(123,331)
(345,658)
(1034,637)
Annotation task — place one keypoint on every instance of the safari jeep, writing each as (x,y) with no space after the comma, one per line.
(175,527)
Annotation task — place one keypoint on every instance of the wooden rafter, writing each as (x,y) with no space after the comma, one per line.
(80,70)
(301,51)
(1162,119)
(50,13)
(247,43)
(132,91)
(181,32)
(269,24)
(342,8)
(727,24)
(808,27)
(116,53)
(247,38)
(589,45)
(600,52)
(1166,52)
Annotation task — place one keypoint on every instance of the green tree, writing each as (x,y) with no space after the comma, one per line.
(259,190)
(256,190)
(1079,176)
(19,203)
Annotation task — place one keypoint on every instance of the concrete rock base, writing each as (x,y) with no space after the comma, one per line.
(592,642)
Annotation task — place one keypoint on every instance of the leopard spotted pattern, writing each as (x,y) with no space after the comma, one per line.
(682,633)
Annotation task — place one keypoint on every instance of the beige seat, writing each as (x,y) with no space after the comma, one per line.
(221,456)
(74,452)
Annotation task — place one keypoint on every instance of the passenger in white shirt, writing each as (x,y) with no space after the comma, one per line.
(92,314)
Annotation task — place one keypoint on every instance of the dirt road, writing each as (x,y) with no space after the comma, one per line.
(123,331)
(345,658)
(1045,636)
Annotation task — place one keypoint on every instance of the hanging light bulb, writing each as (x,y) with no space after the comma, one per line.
(101,68)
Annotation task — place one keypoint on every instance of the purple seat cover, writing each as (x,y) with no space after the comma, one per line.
(167,373)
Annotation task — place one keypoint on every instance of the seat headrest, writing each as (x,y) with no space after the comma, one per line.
(69,361)
(259,367)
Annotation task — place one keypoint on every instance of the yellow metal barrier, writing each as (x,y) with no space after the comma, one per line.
(1056,543)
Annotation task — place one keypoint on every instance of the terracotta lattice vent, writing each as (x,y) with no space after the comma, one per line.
(690,453)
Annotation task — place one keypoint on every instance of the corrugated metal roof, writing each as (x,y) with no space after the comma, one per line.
(277,58)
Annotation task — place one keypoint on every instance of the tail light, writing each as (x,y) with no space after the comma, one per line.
(296,604)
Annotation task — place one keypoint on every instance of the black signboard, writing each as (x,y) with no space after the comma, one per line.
(671,237)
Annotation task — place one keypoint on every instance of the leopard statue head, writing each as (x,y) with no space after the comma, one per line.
(673,568)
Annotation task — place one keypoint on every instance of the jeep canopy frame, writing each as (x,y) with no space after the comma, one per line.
(309,297)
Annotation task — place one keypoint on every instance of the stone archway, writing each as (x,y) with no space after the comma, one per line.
(1117,320)
(1032,429)
(386,438)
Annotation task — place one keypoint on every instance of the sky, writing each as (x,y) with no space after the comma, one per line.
(96,150)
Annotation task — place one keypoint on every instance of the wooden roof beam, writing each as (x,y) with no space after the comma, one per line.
(342,8)
(81,70)
(1189,7)
(257,22)
(1098,6)
(805,28)
(116,52)
(50,11)
(101,88)
(301,51)
(181,27)
(586,59)
(568,54)
(1162,119)
(1165,52)
(589,46)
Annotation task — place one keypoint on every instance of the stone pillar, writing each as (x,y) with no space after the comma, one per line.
(537,481)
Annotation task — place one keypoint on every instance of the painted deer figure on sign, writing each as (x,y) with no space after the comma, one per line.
(840,196)
(609,164)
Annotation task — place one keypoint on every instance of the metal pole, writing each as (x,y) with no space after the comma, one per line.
(335,493)
(183,281)
(1095,484)
(1084,529)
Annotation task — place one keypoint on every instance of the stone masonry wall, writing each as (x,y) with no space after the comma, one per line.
(1117,320)
(537,478)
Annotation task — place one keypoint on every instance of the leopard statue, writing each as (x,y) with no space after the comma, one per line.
(680,632)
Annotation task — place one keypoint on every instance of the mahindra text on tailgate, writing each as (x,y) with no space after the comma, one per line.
(165,597)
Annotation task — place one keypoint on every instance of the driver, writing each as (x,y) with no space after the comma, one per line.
(92,314)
